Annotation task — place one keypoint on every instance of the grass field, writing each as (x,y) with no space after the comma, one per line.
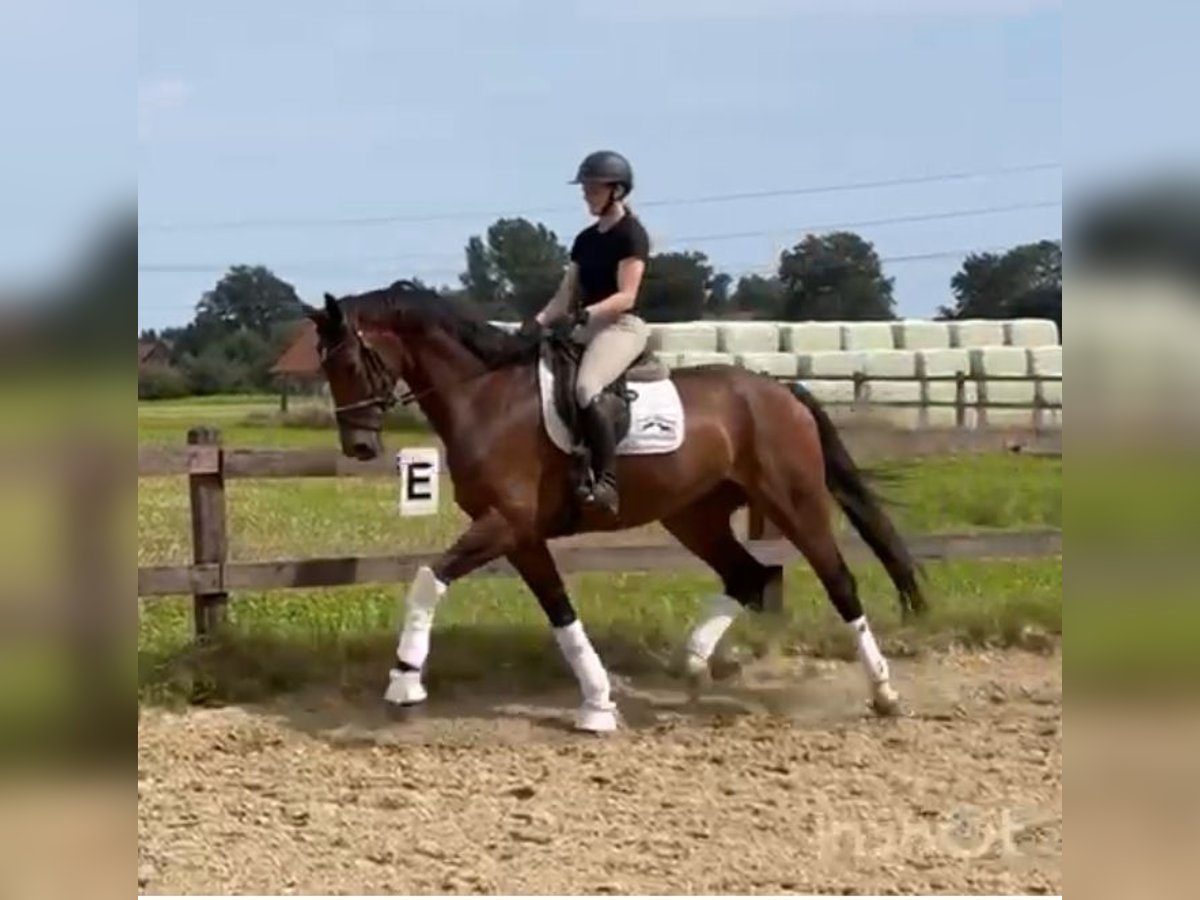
(491,627)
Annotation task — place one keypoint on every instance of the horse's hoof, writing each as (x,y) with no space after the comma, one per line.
(885,702)
(593,720)
(405,688)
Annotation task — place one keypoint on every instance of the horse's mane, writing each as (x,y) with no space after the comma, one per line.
(406,303)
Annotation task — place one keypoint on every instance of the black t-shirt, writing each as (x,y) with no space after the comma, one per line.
(598,253)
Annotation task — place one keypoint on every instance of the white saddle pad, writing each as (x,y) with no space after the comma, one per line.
(655,417)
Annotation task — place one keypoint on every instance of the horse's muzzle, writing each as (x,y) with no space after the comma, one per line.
(361,445)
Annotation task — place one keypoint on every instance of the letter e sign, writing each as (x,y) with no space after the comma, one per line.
(418,468)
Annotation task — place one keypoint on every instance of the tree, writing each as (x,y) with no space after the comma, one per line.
(479,281)
(675,287)
(835,276)
(247,297)
(762,297)
(989,285)
(516,270)
(720,299)
(1040,303)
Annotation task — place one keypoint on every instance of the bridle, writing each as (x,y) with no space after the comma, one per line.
(378,373)
(380,379)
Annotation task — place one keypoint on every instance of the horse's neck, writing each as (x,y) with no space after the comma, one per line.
(441,370)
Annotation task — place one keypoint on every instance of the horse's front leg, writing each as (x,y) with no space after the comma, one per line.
(489,537)
(597,713)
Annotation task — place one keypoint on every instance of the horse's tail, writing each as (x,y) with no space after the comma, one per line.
(863,508)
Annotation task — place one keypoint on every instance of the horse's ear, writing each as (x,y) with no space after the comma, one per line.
(311,312)
(334,310)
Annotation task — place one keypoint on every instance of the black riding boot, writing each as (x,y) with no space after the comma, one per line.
(599,432)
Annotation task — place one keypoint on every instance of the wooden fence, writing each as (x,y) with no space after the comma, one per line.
(211,575)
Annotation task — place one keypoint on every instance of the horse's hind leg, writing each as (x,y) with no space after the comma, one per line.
(704,528)
(799,505)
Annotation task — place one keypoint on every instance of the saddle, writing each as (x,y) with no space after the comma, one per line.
(563,357)
(644,406)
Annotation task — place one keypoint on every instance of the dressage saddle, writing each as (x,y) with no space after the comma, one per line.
(563,356)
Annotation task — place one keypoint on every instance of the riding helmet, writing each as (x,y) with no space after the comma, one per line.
(607,166)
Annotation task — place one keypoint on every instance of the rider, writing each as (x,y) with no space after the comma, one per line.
(595,303)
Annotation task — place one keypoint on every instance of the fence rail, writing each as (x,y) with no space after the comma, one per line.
(864,442)
(211,575)
(214,578)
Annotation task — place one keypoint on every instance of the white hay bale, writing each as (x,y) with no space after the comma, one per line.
(1004,362)
(1009,392)
(683,337)
(1030,332)
(1050,392)
(976,333)
(704,358)
(777,365)
(920,334)
(829,364)
(945,392)
(942,363)
(890,364)
(748,337)
(810,337)
(867,336)
(1046,361)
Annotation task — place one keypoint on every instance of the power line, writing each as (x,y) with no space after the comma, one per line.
(416,218)
(864,223)
(867,223)
(734,270)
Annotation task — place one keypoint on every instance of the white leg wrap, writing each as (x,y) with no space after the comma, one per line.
(598,712)
(869,653)
(404,686)
(714,622)
(419,606)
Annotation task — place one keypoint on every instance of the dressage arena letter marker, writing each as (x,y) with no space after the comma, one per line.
(418,468)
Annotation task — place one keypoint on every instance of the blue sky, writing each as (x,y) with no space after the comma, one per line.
(262,127)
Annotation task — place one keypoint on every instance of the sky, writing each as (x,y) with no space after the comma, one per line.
(348,144)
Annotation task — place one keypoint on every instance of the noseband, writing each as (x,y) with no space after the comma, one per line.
(379,378)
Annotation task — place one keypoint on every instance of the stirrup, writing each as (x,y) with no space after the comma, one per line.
(596,495)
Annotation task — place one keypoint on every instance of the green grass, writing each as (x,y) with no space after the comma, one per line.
(491,628)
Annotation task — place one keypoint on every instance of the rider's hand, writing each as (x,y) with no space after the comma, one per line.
(561,328)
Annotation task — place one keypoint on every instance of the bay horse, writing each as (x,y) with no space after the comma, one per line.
(746,439)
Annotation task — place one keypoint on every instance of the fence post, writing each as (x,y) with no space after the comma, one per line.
(860,391)
(206,489)
(960,399)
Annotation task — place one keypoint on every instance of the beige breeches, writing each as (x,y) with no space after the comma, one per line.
(610,351)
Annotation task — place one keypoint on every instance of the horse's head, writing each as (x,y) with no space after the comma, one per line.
(362,385)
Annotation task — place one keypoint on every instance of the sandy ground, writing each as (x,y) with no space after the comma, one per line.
(779,782)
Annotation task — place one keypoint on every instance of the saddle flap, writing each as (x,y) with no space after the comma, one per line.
(562,359)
